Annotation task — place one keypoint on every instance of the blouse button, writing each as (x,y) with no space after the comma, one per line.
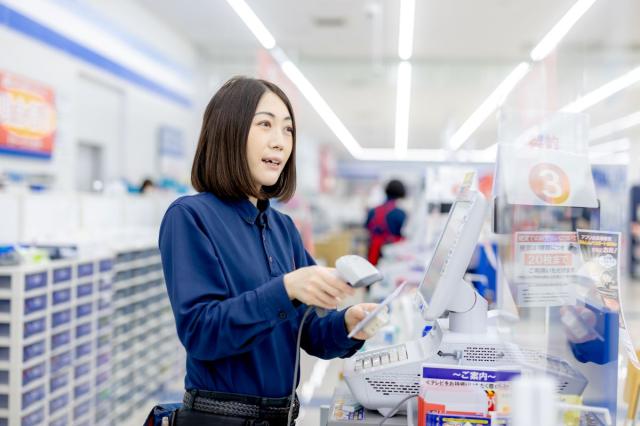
(282,315)
(270,259)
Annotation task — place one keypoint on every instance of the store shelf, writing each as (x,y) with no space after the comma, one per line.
(83,329)
(139,305)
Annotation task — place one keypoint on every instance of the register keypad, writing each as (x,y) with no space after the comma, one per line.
(381,358)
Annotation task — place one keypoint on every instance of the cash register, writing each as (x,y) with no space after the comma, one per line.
(381,378)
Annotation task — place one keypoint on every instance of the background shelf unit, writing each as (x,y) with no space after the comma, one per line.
(147,356)
(87,341)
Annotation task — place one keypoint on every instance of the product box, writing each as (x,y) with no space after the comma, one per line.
(346,407)
(452,389)
(435,419)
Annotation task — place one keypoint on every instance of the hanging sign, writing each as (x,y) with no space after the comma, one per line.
(27,117)
(546,177)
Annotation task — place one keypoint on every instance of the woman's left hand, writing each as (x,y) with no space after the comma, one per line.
(355,314)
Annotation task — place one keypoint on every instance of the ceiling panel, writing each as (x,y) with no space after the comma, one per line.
(463,50)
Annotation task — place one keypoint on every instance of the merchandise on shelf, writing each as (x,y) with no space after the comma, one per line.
(75,337)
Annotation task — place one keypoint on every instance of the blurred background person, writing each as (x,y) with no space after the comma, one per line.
(146,186)
(385,221)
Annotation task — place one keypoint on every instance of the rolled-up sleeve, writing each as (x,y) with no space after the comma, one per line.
(211,324)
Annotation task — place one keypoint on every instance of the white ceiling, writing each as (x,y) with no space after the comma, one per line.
(462,50)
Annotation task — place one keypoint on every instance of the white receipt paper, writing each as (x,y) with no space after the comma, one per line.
(373,314)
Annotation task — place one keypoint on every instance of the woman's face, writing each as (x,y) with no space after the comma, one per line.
(270,140)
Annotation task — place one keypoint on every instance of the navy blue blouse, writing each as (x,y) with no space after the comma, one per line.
(224,263)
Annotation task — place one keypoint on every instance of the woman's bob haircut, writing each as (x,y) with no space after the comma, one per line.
(220,164)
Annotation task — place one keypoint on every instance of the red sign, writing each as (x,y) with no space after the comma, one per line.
(27,117)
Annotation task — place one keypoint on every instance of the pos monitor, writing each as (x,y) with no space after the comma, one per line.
(443,288)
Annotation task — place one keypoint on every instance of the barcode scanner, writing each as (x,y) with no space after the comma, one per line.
(357,272)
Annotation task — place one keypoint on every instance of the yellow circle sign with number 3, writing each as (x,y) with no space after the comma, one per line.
(550,183)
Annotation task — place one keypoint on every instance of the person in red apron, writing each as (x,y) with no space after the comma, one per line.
(385,221)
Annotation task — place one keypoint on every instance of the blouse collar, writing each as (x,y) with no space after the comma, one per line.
(253,215)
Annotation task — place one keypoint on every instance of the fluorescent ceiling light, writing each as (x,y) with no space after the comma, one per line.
(490,153)
(546,45)
(604,92)
(407,19)
(388,154)
(321,107)
(611,152)
(615,151)
(610,147)
(403,101)
(494,100)
(254,23)
(425,155)
(619,158)
(615,126)
(560,29)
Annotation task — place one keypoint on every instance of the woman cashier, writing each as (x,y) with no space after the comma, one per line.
(237,274)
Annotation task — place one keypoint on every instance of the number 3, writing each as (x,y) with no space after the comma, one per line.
(550,183)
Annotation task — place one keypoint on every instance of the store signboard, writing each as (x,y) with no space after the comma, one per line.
(27,117)
(544,268)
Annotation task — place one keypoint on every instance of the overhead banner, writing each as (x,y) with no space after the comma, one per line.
(27,117)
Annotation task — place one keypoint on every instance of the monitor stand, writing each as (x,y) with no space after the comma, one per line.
(472,320)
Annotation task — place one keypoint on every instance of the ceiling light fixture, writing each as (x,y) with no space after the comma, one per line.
(403,101)
(265,38)
(617,158)
(560,29)
(322,108)
(494,100)
(614,151)
(615,126)
(612,146)
(388,154)
(603,92)
(254,23)
(407,19)
(426,155)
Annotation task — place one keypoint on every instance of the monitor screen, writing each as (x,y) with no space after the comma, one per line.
(447,240)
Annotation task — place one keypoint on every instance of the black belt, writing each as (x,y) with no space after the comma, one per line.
(237,405)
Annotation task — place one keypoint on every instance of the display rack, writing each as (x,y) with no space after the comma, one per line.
(85,342)
(51,360)
(147,355)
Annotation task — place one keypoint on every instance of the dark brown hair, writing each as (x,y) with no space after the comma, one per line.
(220,164)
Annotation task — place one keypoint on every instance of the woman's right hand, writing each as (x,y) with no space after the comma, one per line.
(317,286)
